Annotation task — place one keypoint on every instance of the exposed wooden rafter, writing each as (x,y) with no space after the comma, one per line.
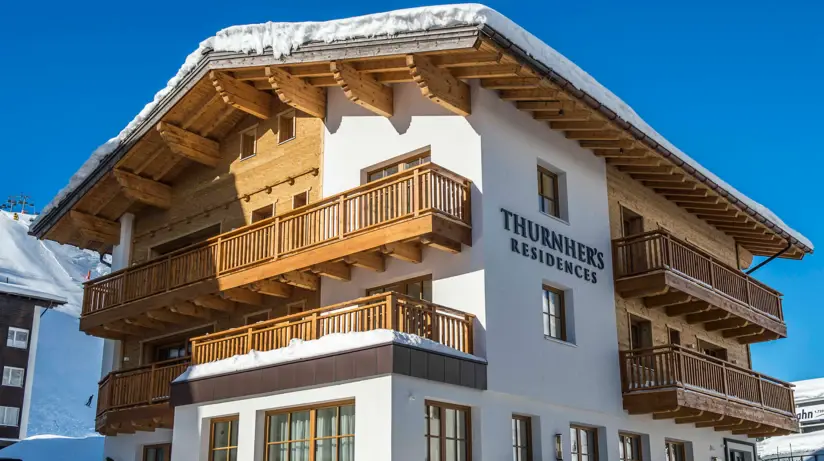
(363,89)
(439,85)
(242,96)
(96,229)
(297,93)
(189,145)
(144,190)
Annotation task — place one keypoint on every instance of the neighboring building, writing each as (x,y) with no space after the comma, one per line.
(562,282)
(20,312)
(809,444)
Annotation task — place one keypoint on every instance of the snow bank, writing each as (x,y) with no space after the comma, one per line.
(795,444)
(299,349)
(810,389)
(45,266)
(56,448)
(283,38)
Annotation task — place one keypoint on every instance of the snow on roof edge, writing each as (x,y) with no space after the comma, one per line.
(20,290)
(283,38)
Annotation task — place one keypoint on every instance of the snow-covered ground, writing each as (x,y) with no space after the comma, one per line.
(67,366)
(56,448)
(799,445)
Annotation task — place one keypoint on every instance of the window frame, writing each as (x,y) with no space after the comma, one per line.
(16,330)
(294,196)
(623,438)
(243,133)
(312,440)
(556,200)
(592,454)
(638,320)
(3,411)
(561,318)
(528,429)
(212,423)
(441,437)
(294,125)
(166,446)
(11,369)
(402,164)
(270,208)
(404,285)
(681,449)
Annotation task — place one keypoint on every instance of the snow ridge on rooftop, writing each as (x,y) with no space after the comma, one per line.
(284,37)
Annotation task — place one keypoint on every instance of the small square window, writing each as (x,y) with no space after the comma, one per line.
(9,416)
(629,447)
(262,213)
(301,199)
(286,126)
(584,443)
(248,143)
(675,451)
(13,376)
(554,311)
(18,337)
(160,452)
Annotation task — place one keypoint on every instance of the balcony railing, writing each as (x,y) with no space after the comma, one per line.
(656,250)
(146,385)
(391,311)
(426,189)
(672,366)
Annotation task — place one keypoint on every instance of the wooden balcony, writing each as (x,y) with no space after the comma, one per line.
(394,216)
(675,382)
(686,281)
(390,311)
(137,399)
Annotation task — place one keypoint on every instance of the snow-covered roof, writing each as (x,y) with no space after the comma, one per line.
(44,266)
(281,38)
(26,292)
(809,389)
(793,444)
(325,345)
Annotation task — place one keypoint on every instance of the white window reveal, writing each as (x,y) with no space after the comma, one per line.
(9,416)
(18,338)
(286,126)
(13,376)
(248,143)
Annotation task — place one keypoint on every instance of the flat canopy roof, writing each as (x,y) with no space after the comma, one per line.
(417,30)
(11,289)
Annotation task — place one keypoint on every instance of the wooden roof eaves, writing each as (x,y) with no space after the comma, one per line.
(636,133)
(417,42)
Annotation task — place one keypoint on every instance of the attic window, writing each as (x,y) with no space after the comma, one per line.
(286,126)
(301,199)
(263,213)
(248,143)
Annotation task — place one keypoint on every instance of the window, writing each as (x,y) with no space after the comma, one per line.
(675,451)
(447,432)
(301,199)
(248,143)
(262,213)
(320,434)
(640,333)
(172,351)
(9,416)
(405,164)
(674,337)
(632,223)
(161,452)
(18,337)
(548,192)
(13,376)
(223,443)
(259,317)
(712,350)
(584,446)
(296,307)
(286,126)
(629,447)
(418,288)
(521,438)
(186,240)
(554,315)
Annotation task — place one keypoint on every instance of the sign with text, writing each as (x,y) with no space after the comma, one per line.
(810,413)
(545,246)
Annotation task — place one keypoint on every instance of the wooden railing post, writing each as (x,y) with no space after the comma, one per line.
(726,384)
(392,314)
(666,243)
(749,296)
(341,216)
(761,392)
(249,340)
(416,188)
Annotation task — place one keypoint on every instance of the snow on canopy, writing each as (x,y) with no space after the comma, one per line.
(282,38)
(44,266)
(809,389)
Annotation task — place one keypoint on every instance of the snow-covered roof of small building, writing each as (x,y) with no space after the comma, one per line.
(281,38)
(26,292)
(809,389)
(793,444)
(44,266)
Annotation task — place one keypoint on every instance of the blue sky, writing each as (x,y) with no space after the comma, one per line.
(737,85)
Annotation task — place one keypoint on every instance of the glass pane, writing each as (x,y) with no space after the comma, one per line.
(553,327)
(461,424)
(461,450)
(514,432)
(278,427)
(427,290)
(300,425)
(248,144)
(621,442)
(347,419)
(300,451)
(391,170)
(414,290)
(434,421)
(546,324)
(554,302)
(515,452)
(434,449)
(573,437)
(325,449)
(450,423)
(547,186)
(327,422)
(451,450)
(151,455)
(523,454)
(347,449)
(233,433)
(522,432)
(220,455)
(233,454)
(278,452)
(10,336)
(221,434)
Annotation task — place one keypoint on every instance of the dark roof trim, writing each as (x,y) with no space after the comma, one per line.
(417,42)
(566,85)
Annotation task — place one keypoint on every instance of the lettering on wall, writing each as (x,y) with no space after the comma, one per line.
(545,246)
(810,413)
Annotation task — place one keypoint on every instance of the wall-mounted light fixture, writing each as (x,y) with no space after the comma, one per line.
(559,450)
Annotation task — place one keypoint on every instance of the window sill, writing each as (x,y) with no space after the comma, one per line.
(560,220)
(286,140)
(247,158)
(17,347)
(12,385)
(560,341)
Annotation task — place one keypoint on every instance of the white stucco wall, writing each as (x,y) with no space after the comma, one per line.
(129,447)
